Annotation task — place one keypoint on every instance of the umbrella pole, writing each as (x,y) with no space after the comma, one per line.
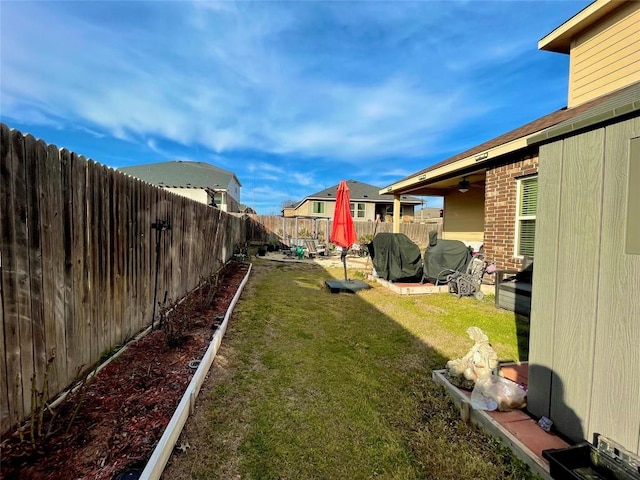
(343,256)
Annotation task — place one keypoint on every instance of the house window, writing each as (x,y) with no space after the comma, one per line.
(358,210)
(318,207)
(216,199)
(526,216)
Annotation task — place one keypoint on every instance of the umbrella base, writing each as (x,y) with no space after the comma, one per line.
(346,286)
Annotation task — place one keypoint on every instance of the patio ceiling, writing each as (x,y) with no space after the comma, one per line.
(441,186)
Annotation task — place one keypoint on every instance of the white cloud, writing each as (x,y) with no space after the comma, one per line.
(264,167)
(245,94)
(302,179)
(305,87)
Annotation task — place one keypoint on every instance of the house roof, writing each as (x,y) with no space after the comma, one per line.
(359,192)
(246,209)
(428,212)
(559,40)
(183,174)
(511,141)
(626,103)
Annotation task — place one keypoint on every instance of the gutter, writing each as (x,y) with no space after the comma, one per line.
(585,122)
(626,106)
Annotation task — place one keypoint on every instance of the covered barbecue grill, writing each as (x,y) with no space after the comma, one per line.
(396,258)
(444,257)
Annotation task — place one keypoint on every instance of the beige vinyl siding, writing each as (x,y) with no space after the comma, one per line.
(197,194)
(464,215)
(306,209)
(607,57)
(408,211)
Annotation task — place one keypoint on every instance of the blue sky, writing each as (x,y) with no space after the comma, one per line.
(291,96)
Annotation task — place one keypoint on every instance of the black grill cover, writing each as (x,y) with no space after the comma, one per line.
(396,258)
(442,256)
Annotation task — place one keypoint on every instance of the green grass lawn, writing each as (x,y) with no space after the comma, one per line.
(314,385)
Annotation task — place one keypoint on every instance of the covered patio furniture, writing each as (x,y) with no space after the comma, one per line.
(396,258)
(443,258)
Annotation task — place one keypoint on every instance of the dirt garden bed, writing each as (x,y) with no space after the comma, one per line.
(110,425)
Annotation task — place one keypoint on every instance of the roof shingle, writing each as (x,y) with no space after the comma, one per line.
(180,173)
(542,123)
(359,191)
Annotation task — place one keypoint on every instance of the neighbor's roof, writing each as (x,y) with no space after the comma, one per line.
(360,192)
(182,174)
(514,140)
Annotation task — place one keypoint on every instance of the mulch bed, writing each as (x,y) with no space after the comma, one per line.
(111,425)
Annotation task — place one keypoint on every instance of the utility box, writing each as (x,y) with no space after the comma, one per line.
(604,460)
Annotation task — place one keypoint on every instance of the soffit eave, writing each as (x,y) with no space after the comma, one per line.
(559,40)
(452,169)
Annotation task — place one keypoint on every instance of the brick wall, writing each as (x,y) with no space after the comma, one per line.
(500,210)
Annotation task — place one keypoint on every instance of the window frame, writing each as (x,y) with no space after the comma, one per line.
(519,217)
(355,208)
(320,206)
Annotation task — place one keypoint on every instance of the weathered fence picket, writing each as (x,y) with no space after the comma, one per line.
(266,228)
(77,263)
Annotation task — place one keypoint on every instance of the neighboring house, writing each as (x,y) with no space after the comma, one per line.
(289,210)
(584,161)
(428,214)
(247,209)
(198,181)
(490,191)
(366,203)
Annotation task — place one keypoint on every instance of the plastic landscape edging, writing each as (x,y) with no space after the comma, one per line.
(141,334)
(162,452)
(490,425)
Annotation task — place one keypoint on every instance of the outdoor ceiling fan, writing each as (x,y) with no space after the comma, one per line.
(464,185)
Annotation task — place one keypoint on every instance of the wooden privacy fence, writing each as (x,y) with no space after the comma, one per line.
(78,263)
(287,229)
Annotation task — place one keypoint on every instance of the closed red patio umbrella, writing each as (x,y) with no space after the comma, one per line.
(343,232)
